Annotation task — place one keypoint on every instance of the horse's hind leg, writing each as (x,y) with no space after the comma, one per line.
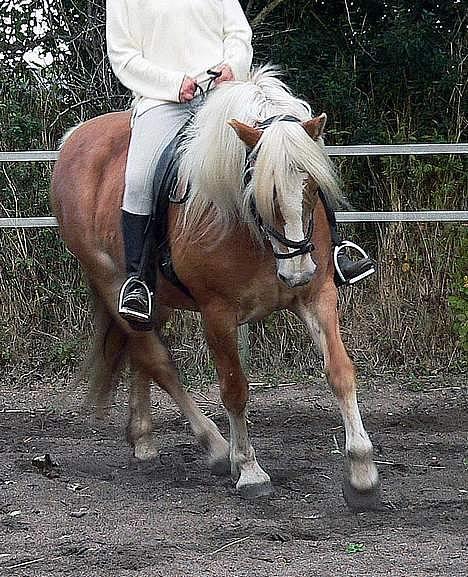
(105,358)
(221,332)
(361,483)
(140,426)
(150,359)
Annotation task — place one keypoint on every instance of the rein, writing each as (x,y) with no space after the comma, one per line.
(213,74)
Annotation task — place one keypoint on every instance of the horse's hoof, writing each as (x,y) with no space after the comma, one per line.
(145,449)
(256,490)
(360,501)
(220,467)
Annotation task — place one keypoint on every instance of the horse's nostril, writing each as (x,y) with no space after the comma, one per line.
(283,278)
(303,280)
(308,277)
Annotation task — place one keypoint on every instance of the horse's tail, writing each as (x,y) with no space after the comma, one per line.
(68,133)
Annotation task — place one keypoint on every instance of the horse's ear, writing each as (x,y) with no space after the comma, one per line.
(248,134)
(315,126)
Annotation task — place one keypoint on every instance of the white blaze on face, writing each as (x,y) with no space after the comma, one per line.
(299,269)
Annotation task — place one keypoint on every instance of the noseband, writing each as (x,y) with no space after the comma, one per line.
(303,246)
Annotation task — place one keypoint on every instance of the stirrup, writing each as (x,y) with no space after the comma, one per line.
(131,314)
(343,280)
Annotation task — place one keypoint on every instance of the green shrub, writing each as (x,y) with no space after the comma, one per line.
(459,305)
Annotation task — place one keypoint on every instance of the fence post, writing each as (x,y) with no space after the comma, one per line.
(243,344)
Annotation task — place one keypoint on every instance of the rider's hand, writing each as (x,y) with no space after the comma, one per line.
(226,73)
(187,90)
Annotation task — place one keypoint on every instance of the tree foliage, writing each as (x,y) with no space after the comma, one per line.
(383,71)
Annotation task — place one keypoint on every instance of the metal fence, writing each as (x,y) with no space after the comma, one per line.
(361,150)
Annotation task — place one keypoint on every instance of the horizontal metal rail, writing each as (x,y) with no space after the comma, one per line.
(29,156)
(397,149)
(358,150)
(410,216)
(36,222)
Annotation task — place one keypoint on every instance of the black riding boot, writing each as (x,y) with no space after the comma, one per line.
(135,299)
(347,270)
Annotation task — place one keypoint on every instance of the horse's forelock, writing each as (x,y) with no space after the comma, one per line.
(284,151)
(309,156)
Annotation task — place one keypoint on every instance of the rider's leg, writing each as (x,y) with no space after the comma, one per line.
(135,302)
(152,131)
(347,270)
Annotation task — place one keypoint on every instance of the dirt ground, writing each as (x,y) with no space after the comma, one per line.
(99,513)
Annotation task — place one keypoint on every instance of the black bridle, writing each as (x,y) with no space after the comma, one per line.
(303,246)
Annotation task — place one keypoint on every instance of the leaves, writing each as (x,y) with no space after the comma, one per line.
(352,548)
(459,305)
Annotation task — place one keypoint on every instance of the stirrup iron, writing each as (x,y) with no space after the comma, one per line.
(348,244)
(131,314)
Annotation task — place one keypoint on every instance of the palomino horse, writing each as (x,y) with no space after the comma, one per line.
(270,162)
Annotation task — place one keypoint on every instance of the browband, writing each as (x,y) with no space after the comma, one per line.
(279,118)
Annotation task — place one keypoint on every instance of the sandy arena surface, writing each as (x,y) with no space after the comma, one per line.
(100,513)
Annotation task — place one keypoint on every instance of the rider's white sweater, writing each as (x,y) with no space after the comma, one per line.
(153,44)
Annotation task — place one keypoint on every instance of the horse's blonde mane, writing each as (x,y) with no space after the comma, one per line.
(213,157)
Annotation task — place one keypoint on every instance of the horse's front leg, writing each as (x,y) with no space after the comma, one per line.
(221,333)
(361,482)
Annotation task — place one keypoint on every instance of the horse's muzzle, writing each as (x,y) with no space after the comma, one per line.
(296,279)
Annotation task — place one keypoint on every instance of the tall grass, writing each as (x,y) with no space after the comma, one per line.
(399,317)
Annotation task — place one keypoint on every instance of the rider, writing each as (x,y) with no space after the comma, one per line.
(162,51)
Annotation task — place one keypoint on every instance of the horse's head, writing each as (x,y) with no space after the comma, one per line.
(283,190)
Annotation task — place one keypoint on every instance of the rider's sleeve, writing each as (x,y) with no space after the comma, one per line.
(237,39)
(129,65)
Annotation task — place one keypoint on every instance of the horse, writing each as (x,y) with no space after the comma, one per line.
(252,238)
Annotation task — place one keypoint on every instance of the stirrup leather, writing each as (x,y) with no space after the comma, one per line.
(348,244)
(131,313)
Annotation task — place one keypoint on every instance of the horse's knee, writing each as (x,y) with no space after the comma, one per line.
(341,377)
(234,394)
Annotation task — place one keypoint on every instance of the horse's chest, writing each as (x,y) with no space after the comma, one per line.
(258,302)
